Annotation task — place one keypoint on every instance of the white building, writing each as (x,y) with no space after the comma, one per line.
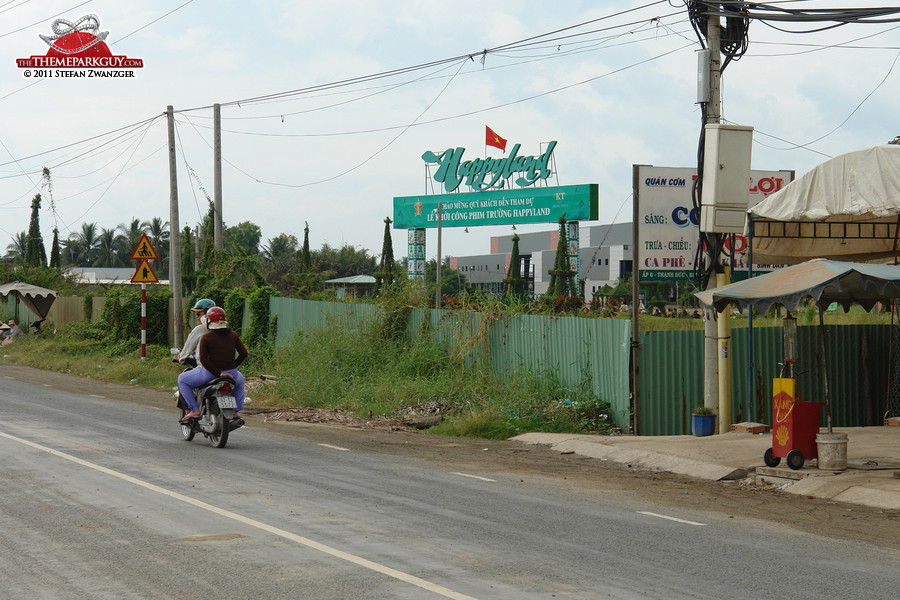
(605,256)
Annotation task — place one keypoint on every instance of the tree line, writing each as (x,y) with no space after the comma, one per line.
(283,262)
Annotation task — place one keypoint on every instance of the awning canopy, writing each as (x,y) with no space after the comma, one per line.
(37,299)
(826,281)
(847,208)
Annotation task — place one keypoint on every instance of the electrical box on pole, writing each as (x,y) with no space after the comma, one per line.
(726,178)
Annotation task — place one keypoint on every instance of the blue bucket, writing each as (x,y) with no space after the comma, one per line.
(703,425)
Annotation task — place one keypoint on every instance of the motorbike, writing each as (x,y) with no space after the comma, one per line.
(217,405)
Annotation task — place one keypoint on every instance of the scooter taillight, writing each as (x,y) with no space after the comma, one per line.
(226,387)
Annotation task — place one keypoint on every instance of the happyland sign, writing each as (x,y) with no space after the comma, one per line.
(488,173)
(494,201)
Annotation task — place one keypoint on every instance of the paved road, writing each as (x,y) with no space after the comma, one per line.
(102,499)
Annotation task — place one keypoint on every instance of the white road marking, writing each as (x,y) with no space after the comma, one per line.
(335,447)
(46,385)
(677,520)
(96,396)
(309,543)
(474,477)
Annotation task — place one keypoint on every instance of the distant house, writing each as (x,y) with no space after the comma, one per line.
(352,287)
(105,275)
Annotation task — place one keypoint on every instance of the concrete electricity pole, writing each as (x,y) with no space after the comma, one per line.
(717,328)
(174,232)
(713,116)
(218,242)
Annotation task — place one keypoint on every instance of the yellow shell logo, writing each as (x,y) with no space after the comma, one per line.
(781,435)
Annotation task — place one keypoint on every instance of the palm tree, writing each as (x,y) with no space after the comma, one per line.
(131,233)
(18,244)
(82,247)
(110,249)
(279,257)
(158,232)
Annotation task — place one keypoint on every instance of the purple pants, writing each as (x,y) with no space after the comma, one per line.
(195,378)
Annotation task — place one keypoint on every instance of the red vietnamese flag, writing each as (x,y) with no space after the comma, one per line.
(492,139)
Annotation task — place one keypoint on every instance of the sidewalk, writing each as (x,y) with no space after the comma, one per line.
(873,458)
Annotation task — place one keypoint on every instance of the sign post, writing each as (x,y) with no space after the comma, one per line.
(144,275)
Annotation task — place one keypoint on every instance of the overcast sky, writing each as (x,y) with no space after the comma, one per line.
(618,91)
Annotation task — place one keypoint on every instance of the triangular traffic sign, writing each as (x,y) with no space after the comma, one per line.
(144,274)
(144,250)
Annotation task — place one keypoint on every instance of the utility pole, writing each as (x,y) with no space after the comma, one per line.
(437,278)
(219,243)
(717,347)
(174,232)
(713,116)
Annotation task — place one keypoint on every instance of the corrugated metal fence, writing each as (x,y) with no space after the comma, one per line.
(569,348)
(671,375)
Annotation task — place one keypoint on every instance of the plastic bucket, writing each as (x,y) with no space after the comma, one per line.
(832,449)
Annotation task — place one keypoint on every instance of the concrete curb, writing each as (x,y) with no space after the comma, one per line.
(635,457)
(702,458)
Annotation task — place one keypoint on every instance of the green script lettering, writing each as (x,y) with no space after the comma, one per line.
(452,170)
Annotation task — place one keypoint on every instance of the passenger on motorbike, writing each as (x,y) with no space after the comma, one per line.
(220,352)
(188,354)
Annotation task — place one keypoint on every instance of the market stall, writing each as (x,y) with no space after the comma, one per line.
(35,298)
(826,282)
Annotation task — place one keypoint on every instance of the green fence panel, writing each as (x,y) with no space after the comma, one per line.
(571,349)
(306,315)
(670,380)
(671,375)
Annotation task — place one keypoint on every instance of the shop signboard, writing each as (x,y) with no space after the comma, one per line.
(668,224)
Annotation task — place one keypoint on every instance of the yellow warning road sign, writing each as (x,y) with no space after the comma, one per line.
(144,250)
(144,274)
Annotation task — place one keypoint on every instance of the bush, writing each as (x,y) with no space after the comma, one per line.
(234,308)
(258,301)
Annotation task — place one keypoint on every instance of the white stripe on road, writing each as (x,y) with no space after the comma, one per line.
(335,447)
(96,396)
(309,543)
(677,520)
(474,477)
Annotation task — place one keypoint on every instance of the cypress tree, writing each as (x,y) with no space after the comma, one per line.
(55,262)
(305,257)
(562,277)
(386,268)
(35,253)
(515,283)
(188,276)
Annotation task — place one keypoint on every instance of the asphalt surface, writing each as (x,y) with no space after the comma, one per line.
(103,499)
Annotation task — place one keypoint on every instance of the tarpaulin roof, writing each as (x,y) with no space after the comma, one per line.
(860,187)
(37,299)
(826,281)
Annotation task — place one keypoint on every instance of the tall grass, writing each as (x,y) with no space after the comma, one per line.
(368,374)
(82,349)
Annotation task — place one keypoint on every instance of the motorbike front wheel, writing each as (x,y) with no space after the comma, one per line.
(220,436)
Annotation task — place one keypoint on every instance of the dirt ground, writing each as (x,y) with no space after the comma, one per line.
(537,464)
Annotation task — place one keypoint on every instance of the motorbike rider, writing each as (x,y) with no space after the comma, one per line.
(188,354)
(220,352)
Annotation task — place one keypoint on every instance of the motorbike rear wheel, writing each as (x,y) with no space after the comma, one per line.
(187,431)
(220,436)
